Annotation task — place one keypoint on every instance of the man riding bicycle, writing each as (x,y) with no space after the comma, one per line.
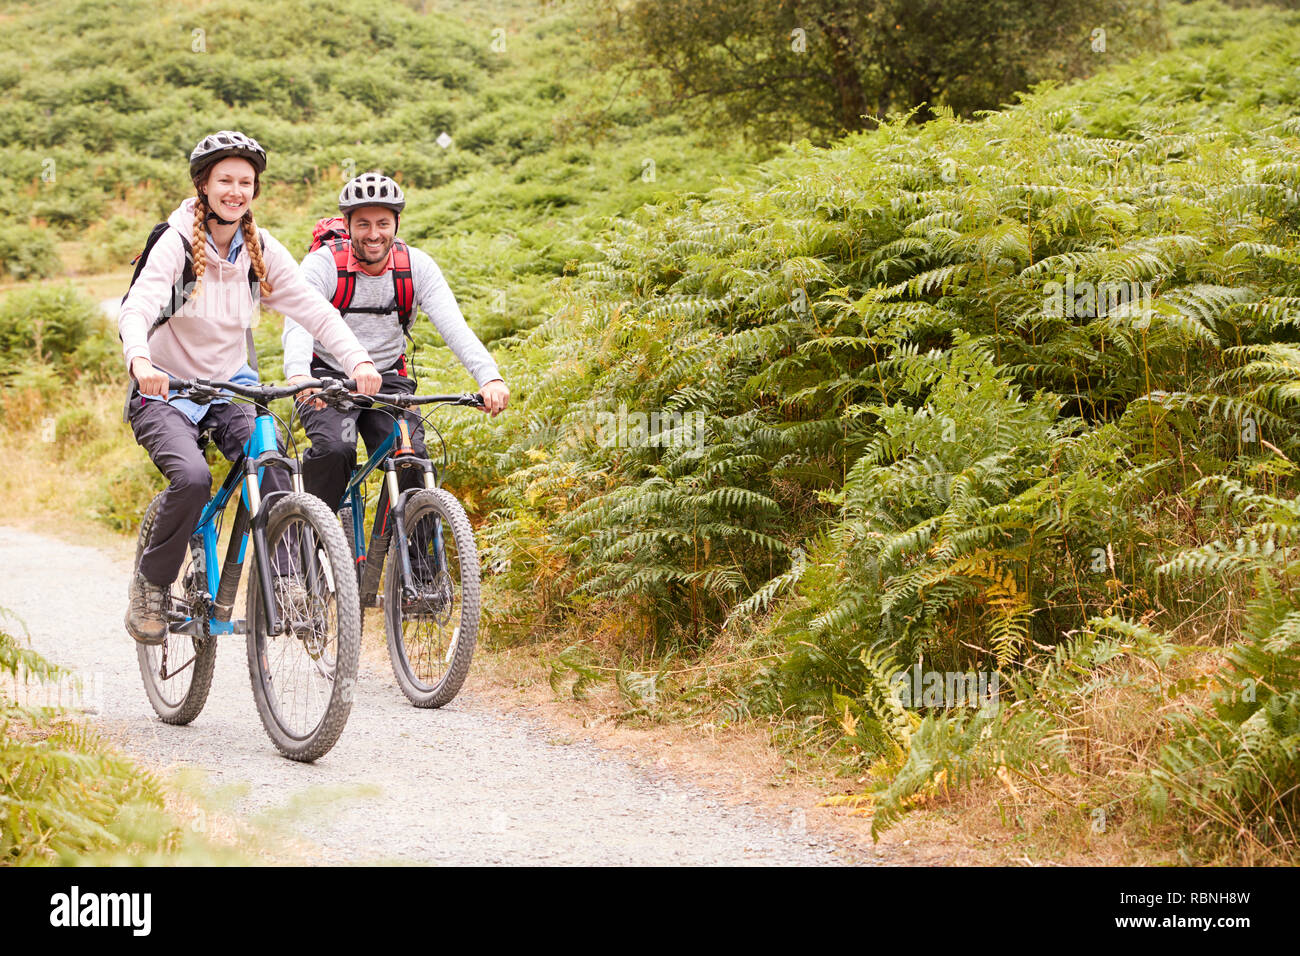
(363,277)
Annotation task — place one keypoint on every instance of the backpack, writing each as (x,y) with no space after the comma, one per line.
(332,232)
(180,295)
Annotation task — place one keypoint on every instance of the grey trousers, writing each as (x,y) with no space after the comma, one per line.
(172,441)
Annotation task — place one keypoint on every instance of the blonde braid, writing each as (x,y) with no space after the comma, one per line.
(253,243)
(198,244)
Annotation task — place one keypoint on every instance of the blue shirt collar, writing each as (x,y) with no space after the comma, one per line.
(236,244)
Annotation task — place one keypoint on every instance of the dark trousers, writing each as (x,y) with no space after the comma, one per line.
(328,464)
(172,441)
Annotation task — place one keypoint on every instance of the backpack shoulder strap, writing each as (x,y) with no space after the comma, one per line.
(142,257)
(181,288)
(403,285)
(347,282)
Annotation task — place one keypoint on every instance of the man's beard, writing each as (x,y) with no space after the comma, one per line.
(359,252)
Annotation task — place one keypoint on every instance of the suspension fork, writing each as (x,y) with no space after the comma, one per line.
(439,555)
(399,527)
(253,497)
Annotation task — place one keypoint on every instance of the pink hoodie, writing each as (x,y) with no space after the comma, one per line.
(205,338)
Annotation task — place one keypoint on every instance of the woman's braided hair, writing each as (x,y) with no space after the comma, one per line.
(252,238)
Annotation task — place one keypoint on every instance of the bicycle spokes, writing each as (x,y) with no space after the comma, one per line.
(430,605)
(300,662)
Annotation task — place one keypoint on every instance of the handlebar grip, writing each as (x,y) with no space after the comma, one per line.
(347,383)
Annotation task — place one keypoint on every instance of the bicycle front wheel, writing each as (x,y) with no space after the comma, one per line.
(432,617)
(304,677)
(177,673)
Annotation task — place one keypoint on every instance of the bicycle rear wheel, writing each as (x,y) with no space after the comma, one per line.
(304,677)
(432,619)
(177,673)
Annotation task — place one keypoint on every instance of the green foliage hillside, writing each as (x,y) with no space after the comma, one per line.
(103,102)
(68,796)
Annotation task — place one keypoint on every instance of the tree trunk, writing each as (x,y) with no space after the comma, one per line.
(845,76)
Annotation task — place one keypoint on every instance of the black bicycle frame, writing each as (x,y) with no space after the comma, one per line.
(390,506)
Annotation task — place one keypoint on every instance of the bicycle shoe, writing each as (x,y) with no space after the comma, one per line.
(146,617)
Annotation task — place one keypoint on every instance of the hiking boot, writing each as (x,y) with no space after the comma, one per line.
(146,617)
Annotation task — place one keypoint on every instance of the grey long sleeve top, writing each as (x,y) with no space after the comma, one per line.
(381,334)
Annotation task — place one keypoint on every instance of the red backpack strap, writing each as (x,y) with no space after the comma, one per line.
(403,285)
(347,282)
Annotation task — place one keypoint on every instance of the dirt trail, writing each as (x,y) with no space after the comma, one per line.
(460,785)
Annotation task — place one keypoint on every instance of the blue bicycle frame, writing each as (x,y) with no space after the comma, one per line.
(214,615)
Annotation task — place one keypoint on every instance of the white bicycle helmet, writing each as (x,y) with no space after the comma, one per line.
(228,142)
(371,189)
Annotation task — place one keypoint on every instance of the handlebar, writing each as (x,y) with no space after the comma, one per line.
(203,390)
(343,393)
(331,391)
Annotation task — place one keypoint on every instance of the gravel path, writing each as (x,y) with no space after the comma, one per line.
(460,785)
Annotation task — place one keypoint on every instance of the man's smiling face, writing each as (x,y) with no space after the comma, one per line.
(372,229)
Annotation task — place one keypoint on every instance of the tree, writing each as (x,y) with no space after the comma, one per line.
(782,68)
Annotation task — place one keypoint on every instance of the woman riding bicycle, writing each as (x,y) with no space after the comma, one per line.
(206,338)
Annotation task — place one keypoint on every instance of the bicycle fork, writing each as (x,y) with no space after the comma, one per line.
(250,522)
(390,526)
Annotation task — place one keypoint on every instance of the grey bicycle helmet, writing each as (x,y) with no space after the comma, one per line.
(371,189)
(228,142)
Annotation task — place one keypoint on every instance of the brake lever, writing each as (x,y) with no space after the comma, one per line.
(335,395)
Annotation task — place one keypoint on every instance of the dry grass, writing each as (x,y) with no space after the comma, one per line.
(52,481)
(1093,815)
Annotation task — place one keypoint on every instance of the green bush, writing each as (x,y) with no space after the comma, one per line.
(113,244)
(122,497)
(77,426)
(912,448)
(51,324)
(69,212)
(28,253)
(28,388)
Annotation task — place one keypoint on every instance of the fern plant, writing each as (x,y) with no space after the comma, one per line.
(64,792)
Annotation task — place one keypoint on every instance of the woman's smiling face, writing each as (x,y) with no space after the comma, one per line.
(230,187)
